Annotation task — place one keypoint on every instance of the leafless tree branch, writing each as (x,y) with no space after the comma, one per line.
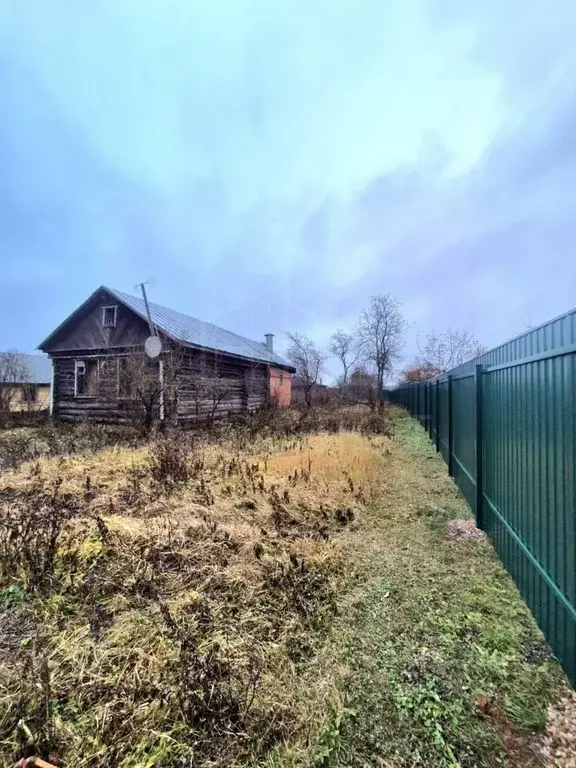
(13,372)
(444,351)
(348,349)
(309,361)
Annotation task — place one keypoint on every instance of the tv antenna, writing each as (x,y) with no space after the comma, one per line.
(152,345)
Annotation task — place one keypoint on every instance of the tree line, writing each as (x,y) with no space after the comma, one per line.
(369,352)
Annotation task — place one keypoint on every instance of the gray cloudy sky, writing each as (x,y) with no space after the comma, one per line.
(273,164)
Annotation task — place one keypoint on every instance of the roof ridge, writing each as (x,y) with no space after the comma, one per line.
(186,328)
(190,317)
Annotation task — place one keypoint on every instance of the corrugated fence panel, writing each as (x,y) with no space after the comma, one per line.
(444,410)
(518,403)
(464,428)
(529,434)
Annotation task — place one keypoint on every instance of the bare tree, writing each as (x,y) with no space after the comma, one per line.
(207,389)
(309,361)
(381,329)
(348,350)
(362,386)
(418,371)
(444,351)
(143,392)
(13,373)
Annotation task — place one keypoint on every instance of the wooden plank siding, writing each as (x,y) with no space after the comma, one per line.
(87,332)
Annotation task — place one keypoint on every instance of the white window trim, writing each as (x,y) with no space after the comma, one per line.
(115,308)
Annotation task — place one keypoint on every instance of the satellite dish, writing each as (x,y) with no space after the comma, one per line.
(153,346)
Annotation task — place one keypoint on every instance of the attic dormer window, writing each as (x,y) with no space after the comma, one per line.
(109,317)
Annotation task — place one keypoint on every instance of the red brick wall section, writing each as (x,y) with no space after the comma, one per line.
(281,387)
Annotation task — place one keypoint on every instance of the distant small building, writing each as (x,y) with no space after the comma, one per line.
(213,371)
(319,393)
(24,382)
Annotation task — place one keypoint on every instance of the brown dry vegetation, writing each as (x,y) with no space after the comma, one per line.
(165,602)
(280,594)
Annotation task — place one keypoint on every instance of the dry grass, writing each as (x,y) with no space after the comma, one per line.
(277,597)
(193,586)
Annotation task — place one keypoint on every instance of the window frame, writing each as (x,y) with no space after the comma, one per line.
(85,362)
(100,362)
(114,308)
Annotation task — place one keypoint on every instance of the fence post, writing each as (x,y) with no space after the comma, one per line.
(450,428)
(437,414)
(429,409)
(479,449)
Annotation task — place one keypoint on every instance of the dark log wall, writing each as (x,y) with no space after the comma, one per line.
(206,386)
(104,406)
(212,385)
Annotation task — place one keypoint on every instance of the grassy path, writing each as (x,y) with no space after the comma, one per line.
(445,665)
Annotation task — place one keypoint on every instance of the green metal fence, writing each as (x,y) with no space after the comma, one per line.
(505,424)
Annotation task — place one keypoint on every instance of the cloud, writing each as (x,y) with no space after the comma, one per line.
(273,165)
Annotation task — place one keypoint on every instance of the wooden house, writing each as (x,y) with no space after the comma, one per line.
(101,371)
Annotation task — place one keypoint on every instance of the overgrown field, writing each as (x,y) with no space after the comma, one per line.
(282,594)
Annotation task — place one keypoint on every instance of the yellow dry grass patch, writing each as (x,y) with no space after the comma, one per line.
(330,460)
(329,457)
(106,469)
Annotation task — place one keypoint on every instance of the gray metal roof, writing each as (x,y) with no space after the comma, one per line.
(198,333)
(39,369)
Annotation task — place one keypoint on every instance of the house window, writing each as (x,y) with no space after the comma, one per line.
(109,317)
(85,378)
(29,393)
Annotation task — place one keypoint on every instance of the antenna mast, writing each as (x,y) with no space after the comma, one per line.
(153,348)
(153,331)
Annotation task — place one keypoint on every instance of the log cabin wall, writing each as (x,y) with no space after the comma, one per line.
(99,342)
(200,386)
(211,385)
(102,402)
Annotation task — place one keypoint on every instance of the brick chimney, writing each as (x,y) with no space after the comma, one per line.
(269,342)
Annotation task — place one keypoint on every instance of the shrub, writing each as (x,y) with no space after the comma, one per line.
(15,449)
(375,422)
(31,528)
(170,462)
